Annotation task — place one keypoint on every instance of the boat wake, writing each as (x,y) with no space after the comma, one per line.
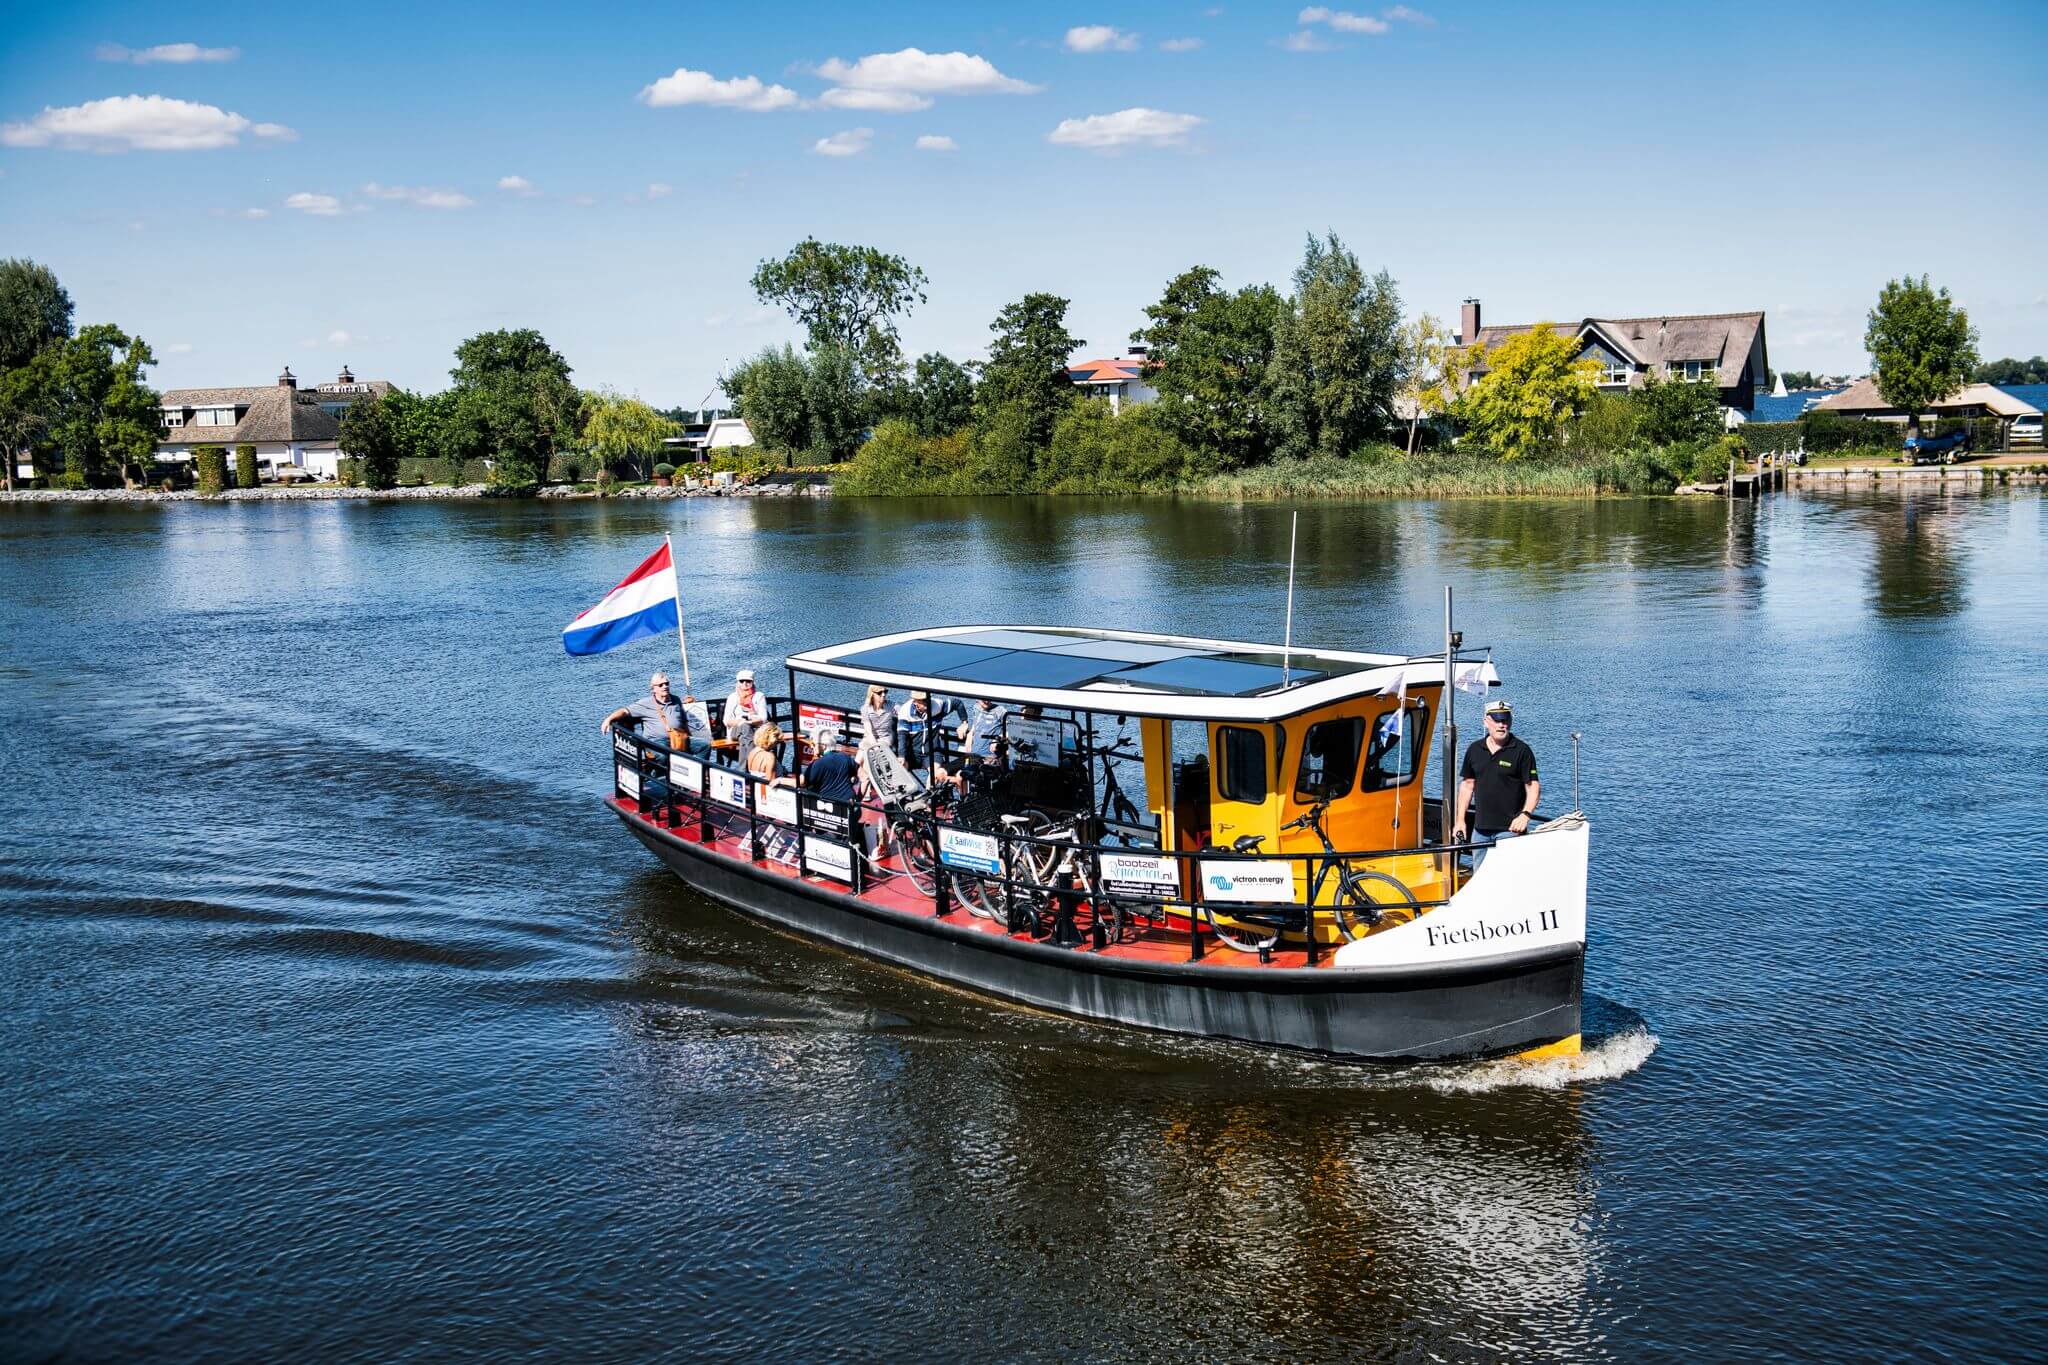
(1604,1059)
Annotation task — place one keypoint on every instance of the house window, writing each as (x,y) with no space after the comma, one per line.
(1692,371)
(174,417)
(214,417)
(1614,372)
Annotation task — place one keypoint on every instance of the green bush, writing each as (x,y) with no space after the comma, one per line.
(1610,423)
(897,462)
(1773,437)
(210,469)
(664,471)
(345,471)
(1676,410)
(1829,433)
(71,480)
(1381,472)
(1093,451)
(743,462)
(245,466)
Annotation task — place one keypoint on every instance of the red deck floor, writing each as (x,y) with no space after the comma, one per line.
(1163,943)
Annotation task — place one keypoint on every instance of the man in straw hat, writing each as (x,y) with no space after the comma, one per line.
(1497,789)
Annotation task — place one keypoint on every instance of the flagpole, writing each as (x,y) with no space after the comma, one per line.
(1287,641)
(682,640)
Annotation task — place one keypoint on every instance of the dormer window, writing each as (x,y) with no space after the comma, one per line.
(1692,371)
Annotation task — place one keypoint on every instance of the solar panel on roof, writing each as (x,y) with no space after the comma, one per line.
(1209,674)
(1030,668)
(918,656)
(1124,651)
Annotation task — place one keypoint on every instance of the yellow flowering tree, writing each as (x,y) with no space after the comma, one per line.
(1524,391)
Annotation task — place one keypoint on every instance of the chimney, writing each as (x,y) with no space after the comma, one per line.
(285,380)
(1468,322)
(344,377)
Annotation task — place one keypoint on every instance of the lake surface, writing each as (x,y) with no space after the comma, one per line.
(340,1019)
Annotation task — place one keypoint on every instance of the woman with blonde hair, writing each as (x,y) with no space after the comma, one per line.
(878,718)
(765,759)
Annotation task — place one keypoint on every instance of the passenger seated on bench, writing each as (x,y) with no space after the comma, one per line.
(765,759)
(832,775)
(745,708)
(659,716)
(979,732)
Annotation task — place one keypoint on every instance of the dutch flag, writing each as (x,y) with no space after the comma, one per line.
(643,604)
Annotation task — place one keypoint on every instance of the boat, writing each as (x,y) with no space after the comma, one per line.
(1213,838)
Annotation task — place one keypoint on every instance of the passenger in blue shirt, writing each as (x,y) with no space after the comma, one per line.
(833,774)
(981,729)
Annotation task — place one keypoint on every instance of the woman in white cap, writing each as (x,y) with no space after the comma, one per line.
(746,708)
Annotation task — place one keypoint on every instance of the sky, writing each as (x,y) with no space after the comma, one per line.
(250,187)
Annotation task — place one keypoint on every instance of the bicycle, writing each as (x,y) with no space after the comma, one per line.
(1357,911)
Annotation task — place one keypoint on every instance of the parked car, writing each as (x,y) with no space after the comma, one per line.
(1937,449)
(2026,431)
(283,471)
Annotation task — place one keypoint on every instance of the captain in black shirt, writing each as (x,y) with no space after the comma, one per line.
(1498,787)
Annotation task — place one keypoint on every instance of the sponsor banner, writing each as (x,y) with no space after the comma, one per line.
(822,816)
(812,717)
(697,714)
(777,803)
(1248,881)
(629,780)
(727,788)
(685,774)
(825,858)
(1136,874)
(624,747)
(971,852)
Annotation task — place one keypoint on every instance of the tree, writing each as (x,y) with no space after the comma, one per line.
(1677,410)
(245,466)
(34,311)
(621,432)
(941,399)
(27,407)
(847,297)
(1211,352)
(2011,371)
(768,392)
(1337,358)
(1024,386)
(512,399)
(104,420)
(1921,344)
(371,435)
(1429,372)
(1799,379)
(835,405)
(1531,385)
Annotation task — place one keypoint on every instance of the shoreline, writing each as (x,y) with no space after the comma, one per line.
(2000,472)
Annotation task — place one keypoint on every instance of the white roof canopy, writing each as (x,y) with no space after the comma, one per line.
(1123,672)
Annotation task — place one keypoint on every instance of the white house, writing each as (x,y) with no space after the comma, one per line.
(1120,379)
(286,424)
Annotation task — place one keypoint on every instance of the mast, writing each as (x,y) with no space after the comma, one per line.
(1450,740)
(1287,640)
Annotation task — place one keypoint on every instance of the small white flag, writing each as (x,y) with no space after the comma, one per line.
(1470,678)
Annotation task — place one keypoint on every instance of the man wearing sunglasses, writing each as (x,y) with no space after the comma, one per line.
(1498,787)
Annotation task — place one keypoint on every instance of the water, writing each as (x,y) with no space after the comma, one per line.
(339,1019)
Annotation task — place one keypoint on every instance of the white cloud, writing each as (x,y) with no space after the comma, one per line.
(1180,44)
(1100,38)
(1125,128)
(165,52)
(937,142)
(658,190)
(917,72)
(1304,41)
(240,213)
(338,337)
(149,123)
(685,86)
(1402,14)
(875,101)
(1342,20)
(319,205)
(852,142)
(517,184)
(178,348)
(275,132)
(422,196)
(583,201)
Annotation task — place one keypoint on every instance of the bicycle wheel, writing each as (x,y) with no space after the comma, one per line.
(914,852)
(1247,931)
(1361,912)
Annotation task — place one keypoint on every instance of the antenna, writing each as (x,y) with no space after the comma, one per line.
(1287,641)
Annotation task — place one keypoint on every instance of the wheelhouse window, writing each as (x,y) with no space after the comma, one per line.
(1329,759)
(1395,755)
(1241,766)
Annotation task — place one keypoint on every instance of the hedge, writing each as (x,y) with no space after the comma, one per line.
(1767,438)
(210,467)
(418,469)
(245,466)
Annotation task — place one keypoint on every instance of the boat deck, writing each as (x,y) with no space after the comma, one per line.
(889,888)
